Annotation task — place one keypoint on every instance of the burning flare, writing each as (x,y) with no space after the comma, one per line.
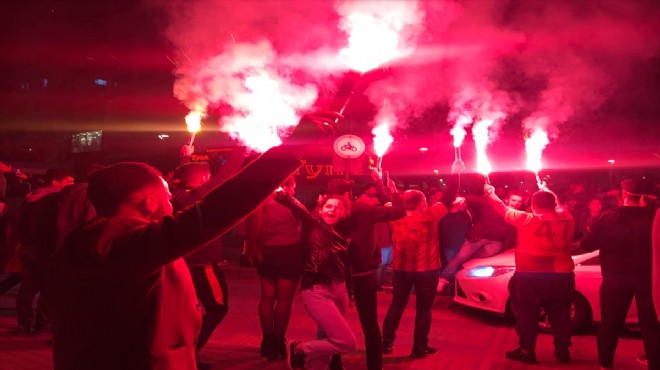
(480,132)
(382,139)
(194,121)
(257,101)
(194,124)
(534,146)
(459,132)
(384,121)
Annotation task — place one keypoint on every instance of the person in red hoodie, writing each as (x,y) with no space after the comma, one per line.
(119,293)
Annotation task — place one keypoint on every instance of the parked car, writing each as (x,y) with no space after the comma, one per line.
(483,284)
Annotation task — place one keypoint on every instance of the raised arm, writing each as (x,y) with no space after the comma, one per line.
(494,200)
(234,199)
(298,209)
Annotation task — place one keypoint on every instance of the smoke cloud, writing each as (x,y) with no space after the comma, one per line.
(546,63)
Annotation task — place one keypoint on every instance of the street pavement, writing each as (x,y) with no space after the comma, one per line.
(466,339)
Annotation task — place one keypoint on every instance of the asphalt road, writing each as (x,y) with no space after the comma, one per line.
(466,339)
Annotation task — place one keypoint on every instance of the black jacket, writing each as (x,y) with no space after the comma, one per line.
(623,235)
(325,252)
(364,254)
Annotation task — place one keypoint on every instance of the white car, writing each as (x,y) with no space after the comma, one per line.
(484,282)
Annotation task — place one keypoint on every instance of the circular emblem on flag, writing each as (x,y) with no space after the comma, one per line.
(349,146)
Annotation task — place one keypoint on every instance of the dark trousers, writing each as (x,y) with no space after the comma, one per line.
(616,294)
(365,293)
(211,288)
(551,291)
(425,284)
(31,284)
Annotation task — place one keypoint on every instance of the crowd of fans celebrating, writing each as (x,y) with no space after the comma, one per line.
(127,264)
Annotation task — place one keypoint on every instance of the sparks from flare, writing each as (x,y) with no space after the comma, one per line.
(534,145)
(375,31)
(374,38)
(258,101)
(480,132)
(459,132)
(382,141)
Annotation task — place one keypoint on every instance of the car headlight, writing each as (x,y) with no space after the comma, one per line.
(489,271)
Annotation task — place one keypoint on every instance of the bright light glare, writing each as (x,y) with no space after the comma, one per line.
(194,121)
(485,271)
(423,149)
(489,271)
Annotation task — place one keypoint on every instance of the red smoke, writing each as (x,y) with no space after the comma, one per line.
(565,58)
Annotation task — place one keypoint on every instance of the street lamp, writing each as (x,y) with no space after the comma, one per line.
(611,162)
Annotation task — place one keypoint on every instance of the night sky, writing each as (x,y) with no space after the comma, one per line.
(591,69)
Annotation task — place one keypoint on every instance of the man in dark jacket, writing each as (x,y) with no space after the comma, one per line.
(119,293)
(623,235)
(365,259)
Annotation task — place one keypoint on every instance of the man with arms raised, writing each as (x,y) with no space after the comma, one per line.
(119,292)
(544,275)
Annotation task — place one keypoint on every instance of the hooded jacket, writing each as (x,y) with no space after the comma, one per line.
(118,291)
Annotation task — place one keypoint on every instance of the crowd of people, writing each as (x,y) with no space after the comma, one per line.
(128,265)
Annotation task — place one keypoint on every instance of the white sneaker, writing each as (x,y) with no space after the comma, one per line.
(441,285)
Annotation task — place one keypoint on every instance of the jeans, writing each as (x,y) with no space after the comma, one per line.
(480,249)
(366,301)
(386,260)
(327,305)
(616,294)
(553,292)
(425,283)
